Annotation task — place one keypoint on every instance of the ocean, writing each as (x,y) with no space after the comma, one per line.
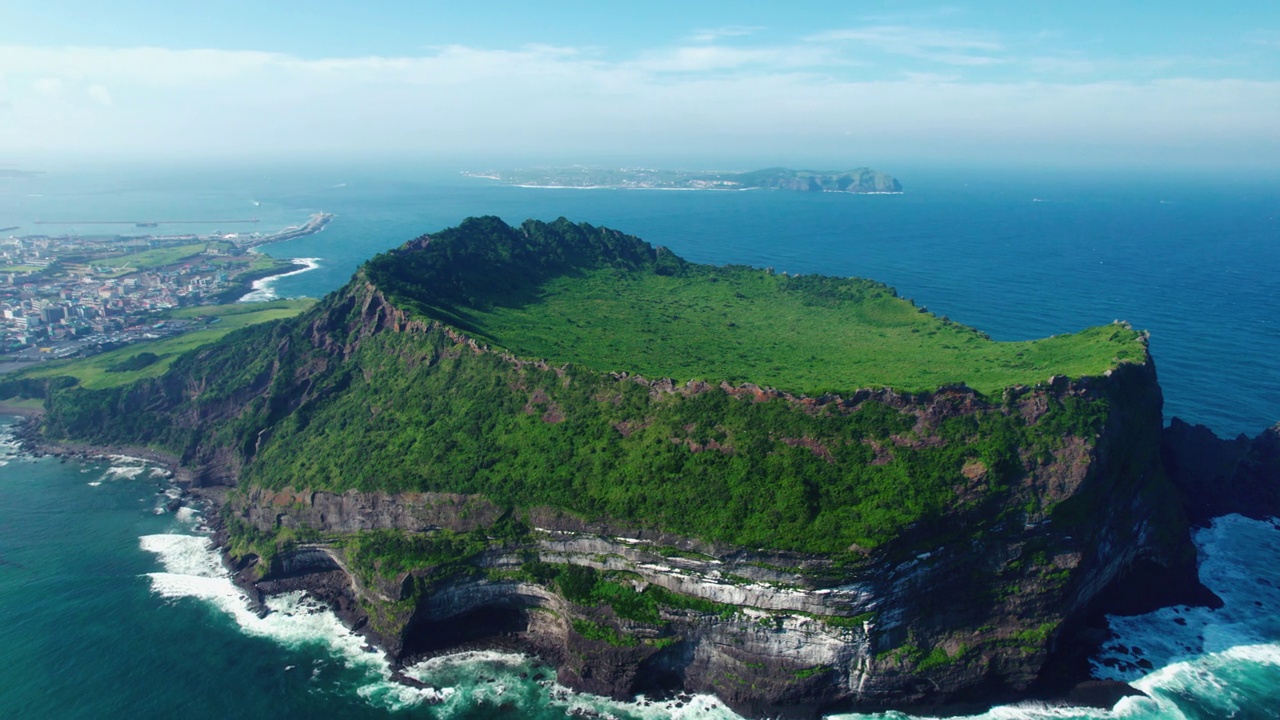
(113,607)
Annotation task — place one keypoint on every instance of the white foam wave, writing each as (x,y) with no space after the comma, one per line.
(264,289)
(492,678)
(1194,652)
(1268,654)
(1190,662)
(125,472)
(1236,563)
(455,683)
(120,471)
(193,569)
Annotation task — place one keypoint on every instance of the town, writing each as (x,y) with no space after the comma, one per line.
(78,295)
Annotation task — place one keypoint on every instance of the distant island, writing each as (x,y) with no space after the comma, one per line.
(862,181)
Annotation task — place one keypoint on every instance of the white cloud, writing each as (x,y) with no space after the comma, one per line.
(48,87)
(563,102)
(100,94)
(1268,38)
(709,58)
(950,47)
(727,31)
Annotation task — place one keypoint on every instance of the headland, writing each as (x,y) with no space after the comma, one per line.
(453,452)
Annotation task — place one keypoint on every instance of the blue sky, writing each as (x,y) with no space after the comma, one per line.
(1173,83)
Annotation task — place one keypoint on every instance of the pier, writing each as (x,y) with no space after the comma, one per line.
(315,224)
(143,223)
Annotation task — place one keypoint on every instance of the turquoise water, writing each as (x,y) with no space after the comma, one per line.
(112,608)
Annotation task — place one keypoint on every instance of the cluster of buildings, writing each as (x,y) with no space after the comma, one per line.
(51,292)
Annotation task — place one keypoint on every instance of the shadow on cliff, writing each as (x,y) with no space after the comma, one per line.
(1214,476)
(1221,477)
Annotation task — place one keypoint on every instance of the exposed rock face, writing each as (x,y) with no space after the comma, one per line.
(967,606)
(928,620)
(1221,476)
(354,511)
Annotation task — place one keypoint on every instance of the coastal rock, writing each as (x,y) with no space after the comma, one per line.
(355,511)
(1222,476)
(940,624)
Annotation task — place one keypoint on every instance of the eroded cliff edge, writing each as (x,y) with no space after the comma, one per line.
(1024,508)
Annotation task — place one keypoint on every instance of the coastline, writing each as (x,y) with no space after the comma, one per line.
(249,283)
(260,289)
(27,433)
(1072,684)
(244,284)
(316,223)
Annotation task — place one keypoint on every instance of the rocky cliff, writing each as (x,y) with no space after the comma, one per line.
(927,548)
(1221,476)
(966,609)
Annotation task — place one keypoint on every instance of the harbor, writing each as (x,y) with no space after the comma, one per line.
(59,295)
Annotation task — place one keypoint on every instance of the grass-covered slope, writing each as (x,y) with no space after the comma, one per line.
(611,303)
(387,386)
(121,367)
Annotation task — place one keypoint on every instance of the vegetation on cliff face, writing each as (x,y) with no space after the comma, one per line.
(523,376)
(415,414)
(335,401)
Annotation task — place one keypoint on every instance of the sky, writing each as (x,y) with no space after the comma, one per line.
(735,83)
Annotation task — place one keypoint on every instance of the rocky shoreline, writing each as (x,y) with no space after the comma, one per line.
(244,284)
(337,590)
(1065,680)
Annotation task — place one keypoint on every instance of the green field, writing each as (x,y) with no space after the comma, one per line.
(95,372)
(609,302)
(150,259)
(20,268)
(261,261)
(803,334)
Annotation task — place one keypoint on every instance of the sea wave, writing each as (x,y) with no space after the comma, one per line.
(122,467)
(455,683)
(264,289)
(1217,662)
(1192,662)
(193,569)
(1236,562)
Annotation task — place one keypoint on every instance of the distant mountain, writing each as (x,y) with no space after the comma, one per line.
(859,180)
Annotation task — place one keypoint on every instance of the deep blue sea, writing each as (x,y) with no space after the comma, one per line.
(110,607)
